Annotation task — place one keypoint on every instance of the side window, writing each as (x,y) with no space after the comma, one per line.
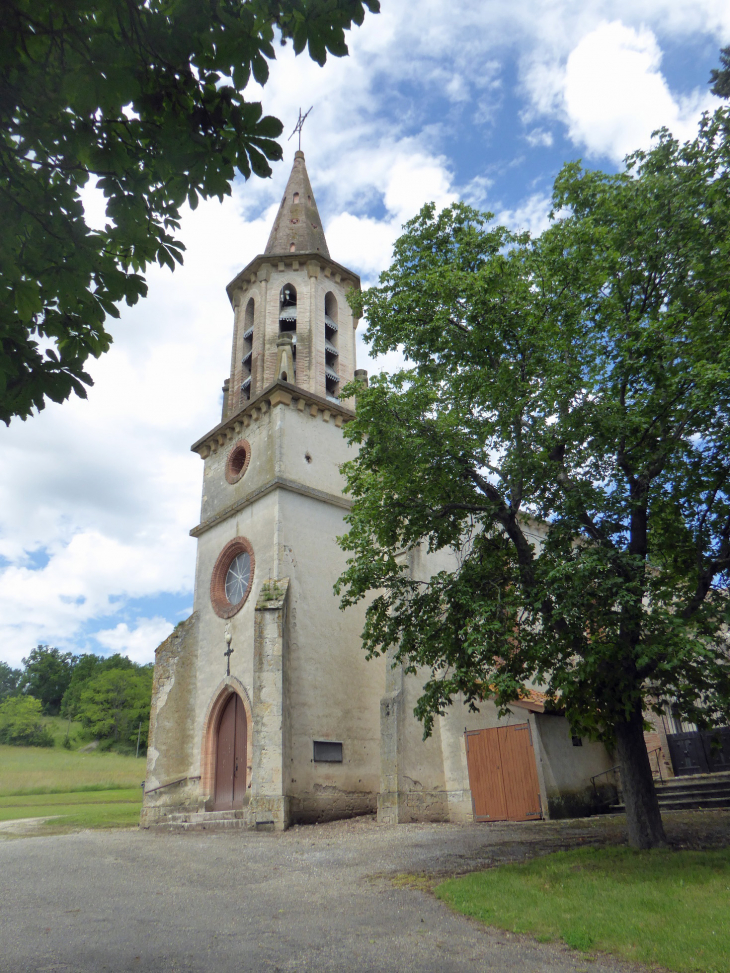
(288,317)
(248,320)
(332,376)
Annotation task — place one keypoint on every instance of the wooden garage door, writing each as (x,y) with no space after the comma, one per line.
(502,774)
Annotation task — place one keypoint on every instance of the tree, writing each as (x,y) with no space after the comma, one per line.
(21,724)
(146,96)
(9,680)
(46,676)
(576,386)
(114,702)
(85,668)
(720,77)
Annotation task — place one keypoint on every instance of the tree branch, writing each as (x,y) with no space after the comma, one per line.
(717,566)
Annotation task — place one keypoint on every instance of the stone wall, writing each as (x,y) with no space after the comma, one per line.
(567,769)
(172,781)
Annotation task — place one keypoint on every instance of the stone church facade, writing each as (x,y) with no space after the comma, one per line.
(264,707)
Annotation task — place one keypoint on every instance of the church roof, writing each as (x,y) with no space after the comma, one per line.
(297,227)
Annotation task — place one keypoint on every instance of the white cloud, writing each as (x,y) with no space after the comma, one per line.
(476,192)
(139,643)
(615,95)
(539,137)
(360,241)
(532,215)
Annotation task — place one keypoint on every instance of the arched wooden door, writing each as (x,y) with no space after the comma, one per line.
(230,762)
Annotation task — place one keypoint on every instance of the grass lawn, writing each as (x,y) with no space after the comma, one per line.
(80,790)
(41,770)
(670,908)
(71,811)
(59,727)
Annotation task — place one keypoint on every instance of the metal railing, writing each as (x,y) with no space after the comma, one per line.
(170,783)
(616,770)
(656,751)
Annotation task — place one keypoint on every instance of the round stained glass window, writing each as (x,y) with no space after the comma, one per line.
(238,577)
(232,577)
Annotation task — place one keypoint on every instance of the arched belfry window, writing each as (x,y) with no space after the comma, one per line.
(288,317)
(331,353)
(248,324)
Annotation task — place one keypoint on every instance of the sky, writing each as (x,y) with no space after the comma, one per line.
(481,101)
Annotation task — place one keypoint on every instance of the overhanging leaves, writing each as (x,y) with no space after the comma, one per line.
(146,97)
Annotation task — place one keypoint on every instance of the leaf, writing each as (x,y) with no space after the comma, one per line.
(269,127)
(260,69)
(27,299)
(259,165)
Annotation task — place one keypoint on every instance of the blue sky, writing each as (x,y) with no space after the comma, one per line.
(481,101)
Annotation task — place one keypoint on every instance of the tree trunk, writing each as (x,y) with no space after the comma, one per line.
(643,817)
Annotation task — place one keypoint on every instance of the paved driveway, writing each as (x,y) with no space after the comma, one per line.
(311,899)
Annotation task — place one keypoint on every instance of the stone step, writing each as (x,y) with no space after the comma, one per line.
(689,780)
(201,821)
(685,804)
(691,793)
(681,793)
(693,786)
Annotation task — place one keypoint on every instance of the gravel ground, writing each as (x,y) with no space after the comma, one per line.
(318,898)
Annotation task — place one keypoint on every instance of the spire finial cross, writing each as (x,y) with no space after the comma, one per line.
(298,127)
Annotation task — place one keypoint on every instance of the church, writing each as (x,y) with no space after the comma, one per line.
(265,711)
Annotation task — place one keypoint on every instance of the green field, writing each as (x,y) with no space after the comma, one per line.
(37,770)
(73,810)
(79,790)
(670,908)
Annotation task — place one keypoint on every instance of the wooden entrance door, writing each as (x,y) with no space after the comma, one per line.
(699,752)
(502,774)
(230,764)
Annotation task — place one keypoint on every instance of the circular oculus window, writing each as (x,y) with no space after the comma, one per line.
(238,460)
(232,577)
(237,578)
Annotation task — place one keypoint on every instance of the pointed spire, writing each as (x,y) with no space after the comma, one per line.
(297,227)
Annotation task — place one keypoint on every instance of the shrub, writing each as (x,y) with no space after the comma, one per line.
(21,723)
(115,702)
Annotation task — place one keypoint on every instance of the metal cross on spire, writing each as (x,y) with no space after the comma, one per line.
(298,127)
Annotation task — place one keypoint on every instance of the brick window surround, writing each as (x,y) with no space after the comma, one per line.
(221,605)
(237,461)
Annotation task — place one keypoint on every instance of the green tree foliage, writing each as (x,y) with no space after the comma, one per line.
(47,675)
(574,388)
(87,666)
(21,723)
(9,680)
(146,96)
(114,702)
(720,77)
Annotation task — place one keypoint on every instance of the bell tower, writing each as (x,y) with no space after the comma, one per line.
(264,706)
(292,320)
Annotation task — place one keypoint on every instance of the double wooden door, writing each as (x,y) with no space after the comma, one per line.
(700,752)
(502,774)
(231,752)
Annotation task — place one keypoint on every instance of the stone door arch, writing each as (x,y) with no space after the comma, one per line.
(230,705)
